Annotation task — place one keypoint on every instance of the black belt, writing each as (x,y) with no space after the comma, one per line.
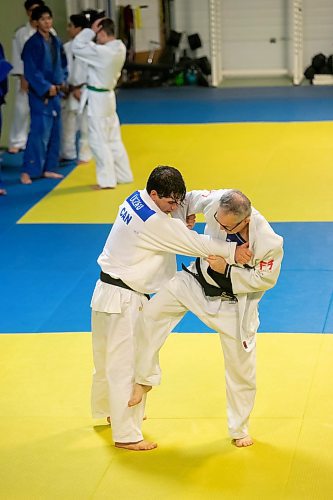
(106,278)
(210,290)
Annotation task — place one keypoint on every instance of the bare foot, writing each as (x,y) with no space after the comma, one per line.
(97,187)
(52,175)
(25,178)
(242,442)
(83,162)
(138,391)
(2,192)
(13,150)
(139,446)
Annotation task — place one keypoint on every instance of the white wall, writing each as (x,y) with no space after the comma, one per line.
(318,28)
(254,35)
(192,16)
(150,23)
(247,27)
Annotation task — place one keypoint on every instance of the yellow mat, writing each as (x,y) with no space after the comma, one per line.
(286,168)
(52,449)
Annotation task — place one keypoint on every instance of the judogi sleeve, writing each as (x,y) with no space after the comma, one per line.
(79,72)
(32,58)
(263,275)
(63,61)
(16,55)
(170,235)
(5,68)
(88,51)
(198,202)
(69,56)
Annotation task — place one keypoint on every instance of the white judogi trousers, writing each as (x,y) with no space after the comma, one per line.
(114,324)
(112,163)
(162,313)
(19,129)
(72,121)
(85,153)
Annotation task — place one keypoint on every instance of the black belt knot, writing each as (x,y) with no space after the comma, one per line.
(209,290)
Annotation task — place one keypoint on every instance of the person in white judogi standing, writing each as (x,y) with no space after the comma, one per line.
(105,60)
(18,133)
(72,120)
(139,257)
(225,297)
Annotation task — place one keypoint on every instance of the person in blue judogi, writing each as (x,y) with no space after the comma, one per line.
(45,69)
(5,68)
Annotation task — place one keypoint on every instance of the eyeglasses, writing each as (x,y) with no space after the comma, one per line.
(226,228)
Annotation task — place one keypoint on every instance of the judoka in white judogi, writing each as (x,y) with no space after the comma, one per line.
(105,60)
(20,125)
(234,313)
(72,120)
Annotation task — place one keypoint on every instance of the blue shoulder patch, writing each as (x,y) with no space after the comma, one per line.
(138,205)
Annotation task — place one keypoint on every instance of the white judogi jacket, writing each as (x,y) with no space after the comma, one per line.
(142,244)
(77,75)
(105,63)
(21,36)
(248,283)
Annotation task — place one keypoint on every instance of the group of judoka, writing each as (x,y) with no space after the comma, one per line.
(65,89)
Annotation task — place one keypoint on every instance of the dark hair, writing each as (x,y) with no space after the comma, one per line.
(91,15)
(39,11)
(29,3)
(107,25)
(167,182)
(79,21)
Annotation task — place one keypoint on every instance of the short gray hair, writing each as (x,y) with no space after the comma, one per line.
(235,202)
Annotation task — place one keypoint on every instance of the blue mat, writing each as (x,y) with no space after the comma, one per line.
(20,197)
(209,105)
(48,273)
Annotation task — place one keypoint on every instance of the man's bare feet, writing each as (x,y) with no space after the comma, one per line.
(83,162)
(139,446)
(242,442)
(2,192)
(52,175)
(25,178)
(138,391)
(97,187)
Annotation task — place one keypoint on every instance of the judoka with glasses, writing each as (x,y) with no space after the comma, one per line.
(225,297)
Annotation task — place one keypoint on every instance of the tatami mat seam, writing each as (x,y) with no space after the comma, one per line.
(330,306)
